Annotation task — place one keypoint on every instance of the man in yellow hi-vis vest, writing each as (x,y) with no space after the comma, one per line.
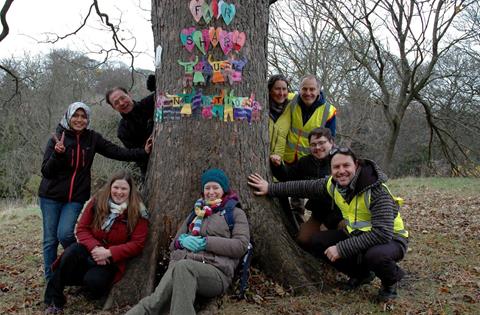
(308,110)
(374,238)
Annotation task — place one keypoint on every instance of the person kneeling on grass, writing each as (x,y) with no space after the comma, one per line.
(112,228)
(204,253)
(374,239)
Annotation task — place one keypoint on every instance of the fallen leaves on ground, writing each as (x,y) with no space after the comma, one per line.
(443,271)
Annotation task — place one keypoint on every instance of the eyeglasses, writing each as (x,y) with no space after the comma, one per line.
(343,150)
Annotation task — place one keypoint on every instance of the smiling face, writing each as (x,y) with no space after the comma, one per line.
(121,101)
(279,91)
(320,146)
(343,168)
(120,191)
(212,191)
(309,91)
(79,120)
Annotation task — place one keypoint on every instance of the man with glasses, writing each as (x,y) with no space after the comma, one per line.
(307,111)
(313,166)
(374,238)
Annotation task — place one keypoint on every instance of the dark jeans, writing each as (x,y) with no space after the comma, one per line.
(77,267)
(381,259)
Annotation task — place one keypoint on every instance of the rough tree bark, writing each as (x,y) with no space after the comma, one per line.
(183,149)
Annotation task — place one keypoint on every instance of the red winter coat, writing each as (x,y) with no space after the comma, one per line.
(121,245)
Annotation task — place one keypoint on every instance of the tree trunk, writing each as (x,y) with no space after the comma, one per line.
(185,148)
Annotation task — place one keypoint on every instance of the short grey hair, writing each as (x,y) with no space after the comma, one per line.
(309,77)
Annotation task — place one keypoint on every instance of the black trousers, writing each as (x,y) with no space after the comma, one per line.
(77,267)
(381,259)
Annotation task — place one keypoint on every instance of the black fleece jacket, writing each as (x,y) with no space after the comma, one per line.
(67,176)
(136,126)
(309,167)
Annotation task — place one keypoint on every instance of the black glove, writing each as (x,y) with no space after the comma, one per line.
(151,83)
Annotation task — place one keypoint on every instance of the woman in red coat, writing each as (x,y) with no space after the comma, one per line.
(112,228)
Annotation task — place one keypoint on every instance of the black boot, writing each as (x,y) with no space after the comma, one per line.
(354,283)
(387,293)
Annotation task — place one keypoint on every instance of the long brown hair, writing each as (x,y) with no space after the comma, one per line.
(103,195)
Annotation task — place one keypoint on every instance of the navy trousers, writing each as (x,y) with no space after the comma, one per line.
(77,267)
(381,259)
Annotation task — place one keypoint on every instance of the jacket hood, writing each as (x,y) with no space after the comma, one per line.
(72,108)
(368,175)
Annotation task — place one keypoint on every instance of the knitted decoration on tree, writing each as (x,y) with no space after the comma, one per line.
(202,209)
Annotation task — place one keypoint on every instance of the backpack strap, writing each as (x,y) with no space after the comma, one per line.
(368,193)
(227,212)
(366,196)
(245,263)
(398,200)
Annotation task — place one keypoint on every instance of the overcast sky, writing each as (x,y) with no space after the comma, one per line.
(31,20)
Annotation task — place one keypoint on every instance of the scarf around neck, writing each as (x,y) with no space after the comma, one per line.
(115,211)
(277,109)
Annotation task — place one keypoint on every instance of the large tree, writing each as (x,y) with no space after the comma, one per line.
(184,148)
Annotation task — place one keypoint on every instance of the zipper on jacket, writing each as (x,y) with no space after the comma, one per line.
(83,157)
(70,193)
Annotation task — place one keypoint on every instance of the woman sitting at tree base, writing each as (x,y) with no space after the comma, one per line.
(112,228)
(204,252)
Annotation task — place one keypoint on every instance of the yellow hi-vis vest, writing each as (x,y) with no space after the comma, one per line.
(297,138)
(357,214)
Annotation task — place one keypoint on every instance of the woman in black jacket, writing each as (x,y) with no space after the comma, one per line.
(66,176)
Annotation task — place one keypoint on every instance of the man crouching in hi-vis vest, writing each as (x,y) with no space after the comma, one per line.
(374,238)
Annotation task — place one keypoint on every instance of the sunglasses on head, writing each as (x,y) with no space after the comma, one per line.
(343,150)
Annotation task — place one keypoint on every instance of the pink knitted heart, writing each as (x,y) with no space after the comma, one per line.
(226,41)
(196,9)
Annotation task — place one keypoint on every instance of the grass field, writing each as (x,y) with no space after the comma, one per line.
(443,262)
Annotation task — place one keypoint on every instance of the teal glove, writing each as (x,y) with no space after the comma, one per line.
(182,237)
(194,243)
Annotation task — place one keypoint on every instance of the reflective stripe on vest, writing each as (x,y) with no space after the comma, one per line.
(359,224)
(301,149)
(357,214)
(297,138)
(299,132)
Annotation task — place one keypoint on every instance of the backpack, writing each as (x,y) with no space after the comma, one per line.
(243,269)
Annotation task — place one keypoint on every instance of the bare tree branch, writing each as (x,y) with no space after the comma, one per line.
(118,42)
(3,19)
(5,31)
(84,22)
(15,78)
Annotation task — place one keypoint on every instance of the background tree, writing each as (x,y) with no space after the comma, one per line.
(46,85)
(361,24)
(373,57)
(450,102)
